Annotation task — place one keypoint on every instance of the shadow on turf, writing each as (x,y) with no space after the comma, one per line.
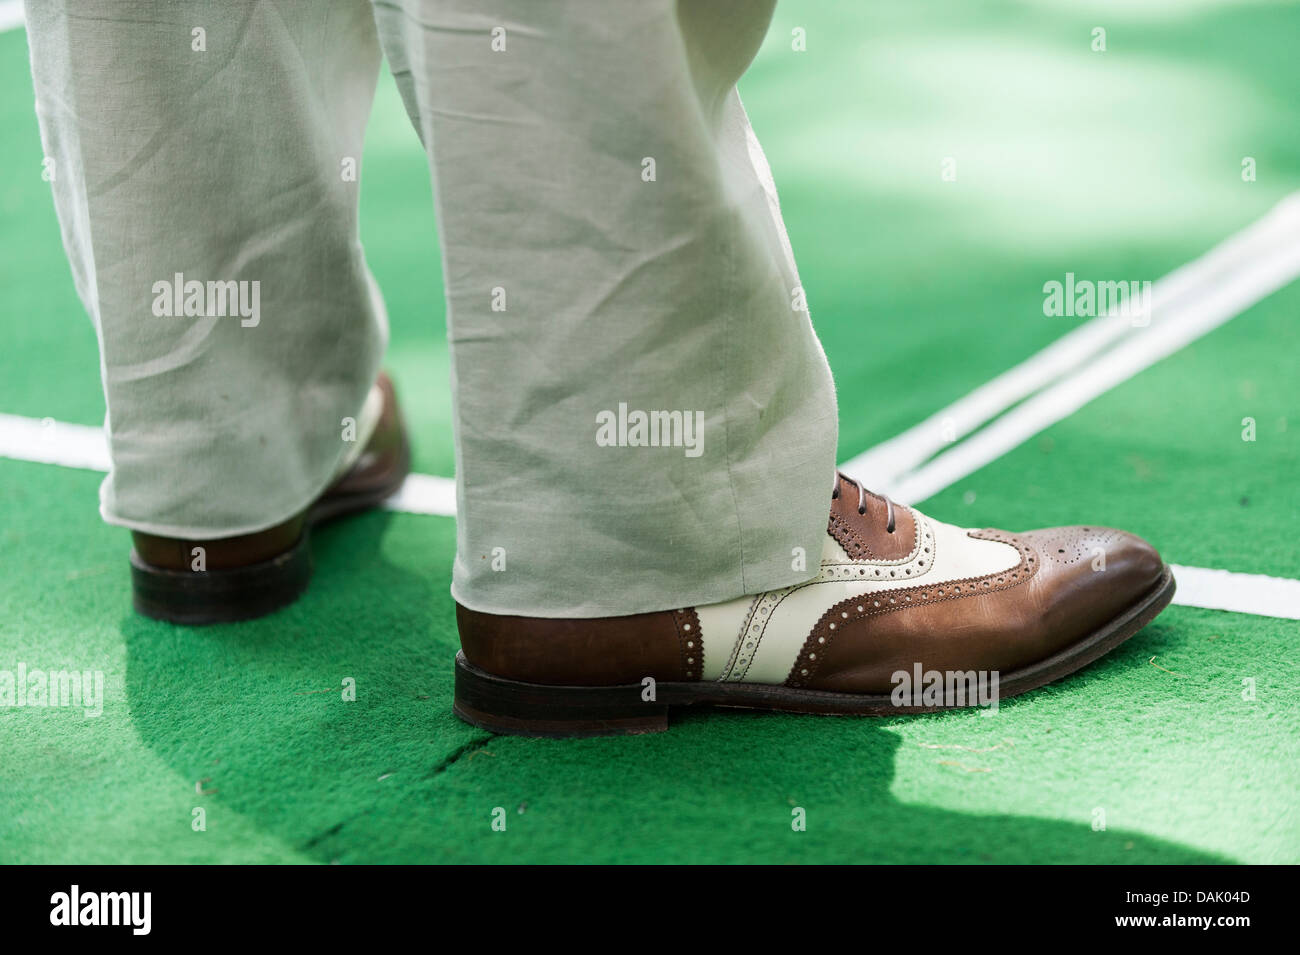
(255,712)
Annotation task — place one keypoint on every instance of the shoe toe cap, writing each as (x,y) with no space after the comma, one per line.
(1092,574)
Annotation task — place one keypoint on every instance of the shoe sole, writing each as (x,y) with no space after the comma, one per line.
(197,598)
(534,709)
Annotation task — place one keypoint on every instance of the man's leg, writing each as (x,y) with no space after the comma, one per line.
(613,248)
(644,416)
(203,158)
(205,163)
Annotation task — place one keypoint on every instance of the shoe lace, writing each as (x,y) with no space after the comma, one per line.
(862,499)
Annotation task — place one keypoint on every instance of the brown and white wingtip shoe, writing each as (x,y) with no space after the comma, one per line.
(254,574)
(907,614)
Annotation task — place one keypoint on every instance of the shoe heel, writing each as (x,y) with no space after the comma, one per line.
(536,709)
(220,596)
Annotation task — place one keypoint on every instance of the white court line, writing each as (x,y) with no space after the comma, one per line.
(1212,309)
(883,465)
(425,494)
(11,14)
(46,441)
(78,446)
(1259,594)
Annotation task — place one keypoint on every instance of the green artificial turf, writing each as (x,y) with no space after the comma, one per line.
(1123,164)
(1184,769)
(1162,455)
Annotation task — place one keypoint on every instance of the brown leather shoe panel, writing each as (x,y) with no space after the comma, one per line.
(1102,550)
(1090,575)
(691,648)
(384,453)
(1002,621)
(958,619)
(603,651)
(865,536)
(171,553)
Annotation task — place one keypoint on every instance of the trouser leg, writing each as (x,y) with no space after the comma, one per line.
(206,164)
(612,249)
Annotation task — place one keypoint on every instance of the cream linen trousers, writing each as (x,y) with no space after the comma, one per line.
(644,417)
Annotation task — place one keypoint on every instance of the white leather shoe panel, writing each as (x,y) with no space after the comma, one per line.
(782,619)
(958,555)
(720,625)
